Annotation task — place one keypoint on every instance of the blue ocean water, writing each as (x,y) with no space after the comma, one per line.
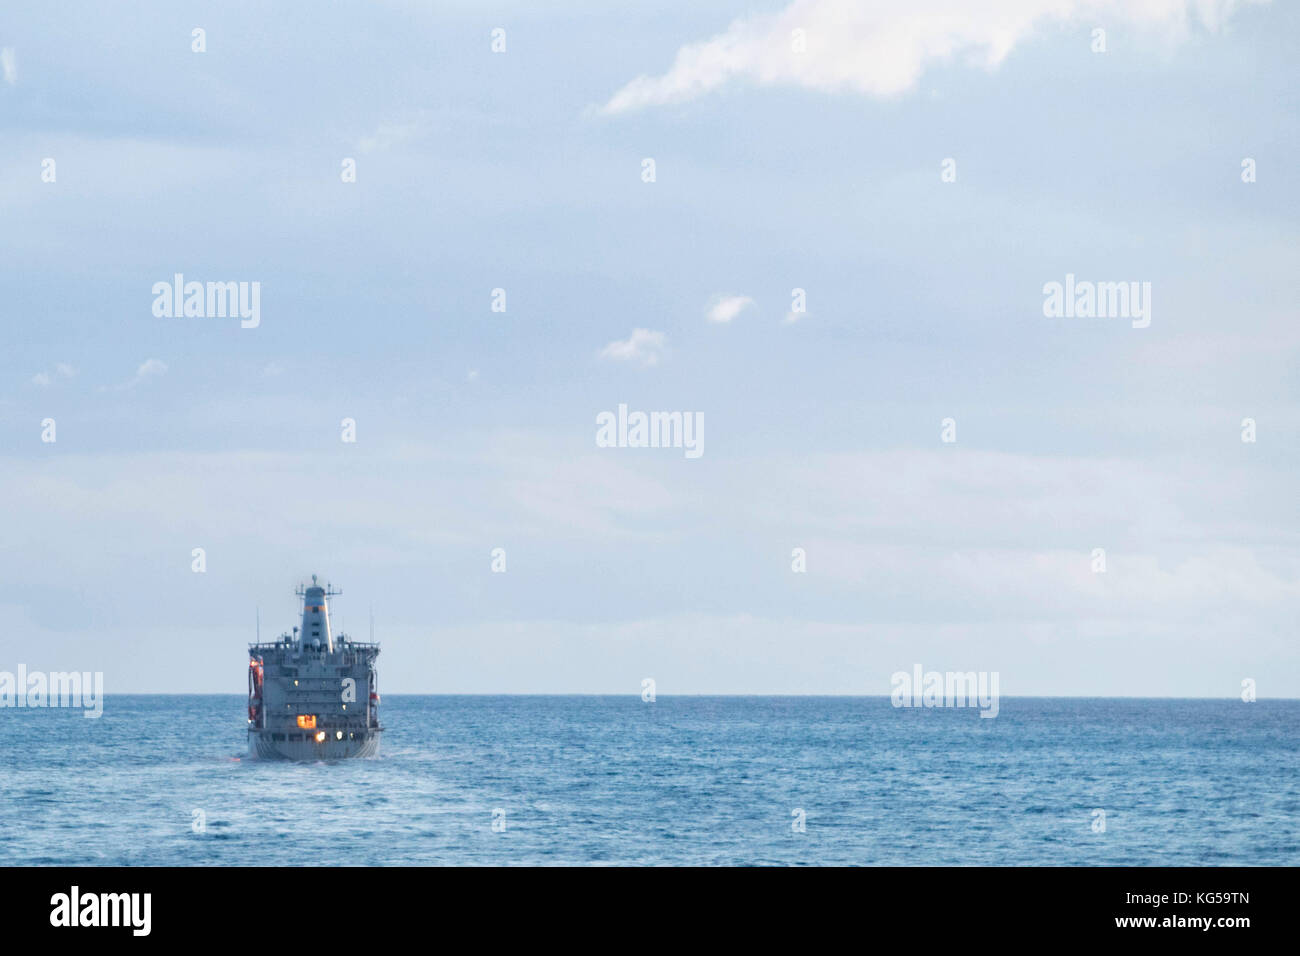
(682,780)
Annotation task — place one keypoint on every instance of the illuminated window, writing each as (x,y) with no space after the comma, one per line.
(307,721)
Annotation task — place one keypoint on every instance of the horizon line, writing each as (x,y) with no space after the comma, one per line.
(764,695)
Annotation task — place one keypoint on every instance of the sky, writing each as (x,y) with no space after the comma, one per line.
(920,170)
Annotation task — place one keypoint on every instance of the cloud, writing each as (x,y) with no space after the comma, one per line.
(149,368)
(880,49)
(643,346)
(9,65)
(61,370)
(390,134)
(980,559)
(727,307)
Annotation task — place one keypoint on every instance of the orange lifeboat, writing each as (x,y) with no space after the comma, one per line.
(255,674)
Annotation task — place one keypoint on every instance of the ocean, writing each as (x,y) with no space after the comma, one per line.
(165,780)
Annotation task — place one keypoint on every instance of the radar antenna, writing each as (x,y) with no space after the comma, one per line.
(329,589)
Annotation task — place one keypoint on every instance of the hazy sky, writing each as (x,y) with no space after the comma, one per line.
(774,170)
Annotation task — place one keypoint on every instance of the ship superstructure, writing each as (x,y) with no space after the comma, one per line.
(313,695)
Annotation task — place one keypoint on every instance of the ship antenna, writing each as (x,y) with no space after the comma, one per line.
(259,625)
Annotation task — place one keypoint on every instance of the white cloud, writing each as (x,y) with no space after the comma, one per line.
(881,48)
(149,368)
(644,346)
(952,557)
(390,134)
(61,370)
(9,65)
(727,307)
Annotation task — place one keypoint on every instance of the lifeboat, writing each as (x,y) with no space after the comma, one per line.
(255,674)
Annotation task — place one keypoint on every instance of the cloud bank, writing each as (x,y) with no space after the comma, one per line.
(881,49)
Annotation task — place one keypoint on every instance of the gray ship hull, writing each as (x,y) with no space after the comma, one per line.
(312,696)
(262,746)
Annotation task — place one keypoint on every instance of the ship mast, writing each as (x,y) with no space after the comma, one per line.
(315,615)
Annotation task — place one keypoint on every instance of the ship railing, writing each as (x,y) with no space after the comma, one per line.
(280,645)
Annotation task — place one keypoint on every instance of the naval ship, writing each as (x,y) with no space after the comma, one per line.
(312,695)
